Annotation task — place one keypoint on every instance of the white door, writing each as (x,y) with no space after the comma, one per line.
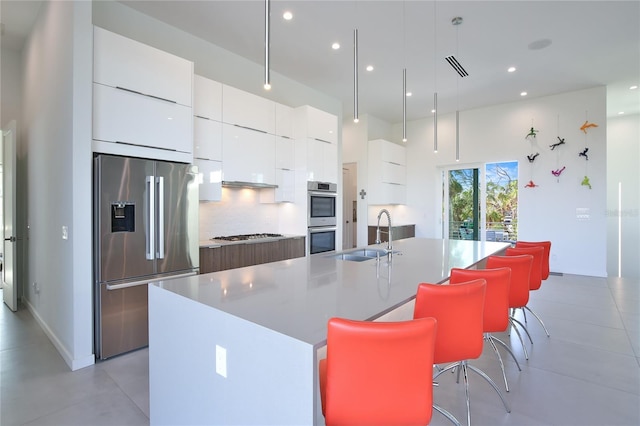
(9,282)
(349,205)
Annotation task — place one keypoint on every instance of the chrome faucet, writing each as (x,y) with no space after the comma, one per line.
(378,241)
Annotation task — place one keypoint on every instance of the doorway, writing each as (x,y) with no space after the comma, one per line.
(481,202)
(349,205)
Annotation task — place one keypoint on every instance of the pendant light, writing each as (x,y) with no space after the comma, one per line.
(435,80)
(267,41)
(355,76)
(404,105)
(462,73)
(404,76)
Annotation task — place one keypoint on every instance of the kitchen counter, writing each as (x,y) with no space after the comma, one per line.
(268,321)
(219,243)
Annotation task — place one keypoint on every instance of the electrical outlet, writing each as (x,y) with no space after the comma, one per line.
(221,361)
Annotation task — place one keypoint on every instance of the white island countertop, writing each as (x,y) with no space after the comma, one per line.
(296,297)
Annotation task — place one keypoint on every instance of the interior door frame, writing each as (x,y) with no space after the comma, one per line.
(10,262)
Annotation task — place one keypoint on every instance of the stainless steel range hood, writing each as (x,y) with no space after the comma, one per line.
(252,185)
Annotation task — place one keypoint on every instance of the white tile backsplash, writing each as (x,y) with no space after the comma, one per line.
(239,212)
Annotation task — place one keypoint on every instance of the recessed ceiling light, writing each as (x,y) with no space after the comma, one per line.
(287,15)
(335,46)
(633,87)
(433,111)
(369,67)
(409,93)
(523,93)
(511,69)
(540,44)
(621,112)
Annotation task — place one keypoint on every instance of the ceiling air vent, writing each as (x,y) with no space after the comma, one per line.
(456,66)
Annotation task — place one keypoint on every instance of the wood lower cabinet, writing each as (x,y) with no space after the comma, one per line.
(209,259)
(397,232)
(213,259)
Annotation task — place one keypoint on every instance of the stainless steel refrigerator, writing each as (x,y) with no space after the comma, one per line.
(146,230)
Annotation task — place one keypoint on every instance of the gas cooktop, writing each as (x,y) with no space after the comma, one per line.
(246,237)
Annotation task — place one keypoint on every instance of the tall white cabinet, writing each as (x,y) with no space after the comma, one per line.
(142,100)
(318,130)
(387,172)
(207,137)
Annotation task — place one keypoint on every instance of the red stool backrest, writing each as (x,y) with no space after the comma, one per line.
(546,245)
(520,271)
(496,297)
(458,309)
(378,373)
(535,278)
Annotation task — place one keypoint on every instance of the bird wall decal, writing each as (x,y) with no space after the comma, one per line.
(555,145)
(584,154)
(587,125)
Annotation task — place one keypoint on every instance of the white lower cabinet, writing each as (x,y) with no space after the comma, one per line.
(249,155)
(209,179)
(322,161)
(128,118)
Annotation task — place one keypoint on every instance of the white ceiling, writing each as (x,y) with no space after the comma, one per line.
(592,43)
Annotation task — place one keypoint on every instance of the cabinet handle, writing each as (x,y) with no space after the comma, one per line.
(250,128)
(145,146)
(322,140)
(144,94)
(204,118)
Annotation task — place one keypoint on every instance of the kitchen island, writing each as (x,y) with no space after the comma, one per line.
(241,346)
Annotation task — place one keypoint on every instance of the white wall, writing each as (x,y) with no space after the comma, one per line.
(497,133)
(547,212)
(57,134)
(623,196)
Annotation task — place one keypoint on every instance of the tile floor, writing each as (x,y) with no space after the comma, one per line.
(586,373)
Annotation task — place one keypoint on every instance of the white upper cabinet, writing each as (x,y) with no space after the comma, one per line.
(209,179)
(285,154)
(128,64)
(284,121)
(129,119)
(207,139)
(313,123)
(248,110)
(387,172)
(249,155)
(207,98)
(322,161)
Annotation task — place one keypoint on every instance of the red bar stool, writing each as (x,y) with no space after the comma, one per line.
(496,306)
(518,287)
(535,278)
(546,245)
(378,373)
(458,308)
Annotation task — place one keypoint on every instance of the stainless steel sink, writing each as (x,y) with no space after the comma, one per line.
(361,255)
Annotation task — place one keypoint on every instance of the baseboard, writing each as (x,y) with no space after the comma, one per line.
(557,274)
(74,364)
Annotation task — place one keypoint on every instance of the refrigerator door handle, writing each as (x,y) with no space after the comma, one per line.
(160,211)
(151,232)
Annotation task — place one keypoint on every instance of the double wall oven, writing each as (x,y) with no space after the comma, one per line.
(321,217)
